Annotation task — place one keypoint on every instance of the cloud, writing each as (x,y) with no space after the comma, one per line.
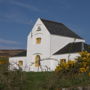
(4,41)
(15,18)
(22,4)
(28,6)
(22,21)
(15,15)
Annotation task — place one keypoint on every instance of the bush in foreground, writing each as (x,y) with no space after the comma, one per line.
(72,73)
(12,80)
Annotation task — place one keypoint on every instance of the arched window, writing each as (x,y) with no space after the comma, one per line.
(38,40)
(37,61)
(20,63)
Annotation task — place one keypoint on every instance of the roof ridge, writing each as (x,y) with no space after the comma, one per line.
(58,28)
(51,21)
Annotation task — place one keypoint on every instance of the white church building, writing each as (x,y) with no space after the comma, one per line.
(48,43)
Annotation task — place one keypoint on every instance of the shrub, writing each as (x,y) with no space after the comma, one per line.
(12,80)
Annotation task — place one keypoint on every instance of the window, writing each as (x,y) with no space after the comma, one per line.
(20,63)
(38,40)
(37,61)
(62,60)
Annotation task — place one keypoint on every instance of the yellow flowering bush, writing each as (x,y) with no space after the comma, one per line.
(65,65)
(80,65)
(89,74)
(84,61)
(83,70)
(84,56)
(58,68)
(71,63)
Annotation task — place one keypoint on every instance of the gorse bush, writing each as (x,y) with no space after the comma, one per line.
(80,65)
(84,62)
(72,73)
(4,60)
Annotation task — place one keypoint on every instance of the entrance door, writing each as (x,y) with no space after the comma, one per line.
(37,61)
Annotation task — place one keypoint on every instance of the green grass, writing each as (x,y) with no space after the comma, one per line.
(42,80)
(37,79)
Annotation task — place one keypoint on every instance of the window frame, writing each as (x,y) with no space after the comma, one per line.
(20,63)
(38,40)
(63,60)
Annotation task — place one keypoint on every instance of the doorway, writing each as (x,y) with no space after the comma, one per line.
(37,61)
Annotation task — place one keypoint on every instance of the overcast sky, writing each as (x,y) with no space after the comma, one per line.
(17,18)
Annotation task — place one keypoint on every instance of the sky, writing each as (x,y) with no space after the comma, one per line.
(17,18)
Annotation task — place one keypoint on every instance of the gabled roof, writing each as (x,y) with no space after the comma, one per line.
(73,48)
(59,29)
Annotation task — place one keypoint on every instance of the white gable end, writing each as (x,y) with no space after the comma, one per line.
(38,24)
(42,49)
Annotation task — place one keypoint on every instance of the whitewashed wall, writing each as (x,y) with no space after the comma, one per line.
(45,66)
(42,49)
(14,62)
(72,56)
(50,64)
(58,42)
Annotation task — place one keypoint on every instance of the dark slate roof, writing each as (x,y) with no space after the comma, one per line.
(73,48)
(21,54)
(59,29)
